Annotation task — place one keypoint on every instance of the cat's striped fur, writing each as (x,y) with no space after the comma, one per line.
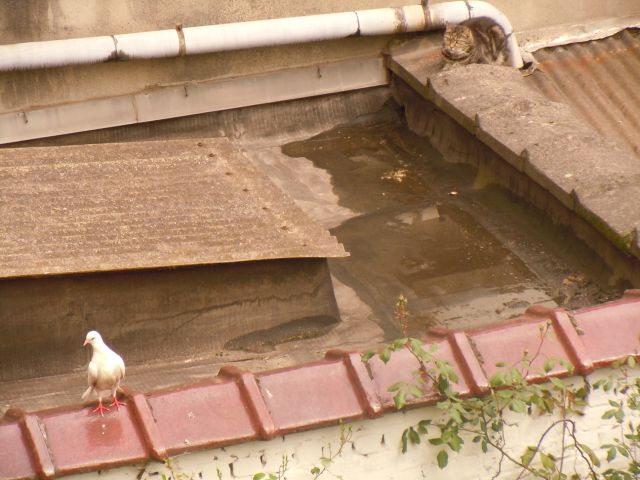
(477,40)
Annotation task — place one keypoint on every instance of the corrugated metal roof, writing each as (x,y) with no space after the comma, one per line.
(600,80)
(94,208)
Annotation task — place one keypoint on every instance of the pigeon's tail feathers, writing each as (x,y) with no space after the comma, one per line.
(87,392)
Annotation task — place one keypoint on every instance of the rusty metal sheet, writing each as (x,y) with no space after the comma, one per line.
(600,80)
(93,208)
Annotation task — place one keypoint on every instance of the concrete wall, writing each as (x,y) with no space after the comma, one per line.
(32,20)
(374,452)
(147,312)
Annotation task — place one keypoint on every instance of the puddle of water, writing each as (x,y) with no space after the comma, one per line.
(462,256)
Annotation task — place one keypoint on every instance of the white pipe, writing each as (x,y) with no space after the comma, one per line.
(253,34)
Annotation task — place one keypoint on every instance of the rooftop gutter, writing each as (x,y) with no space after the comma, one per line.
(253,34)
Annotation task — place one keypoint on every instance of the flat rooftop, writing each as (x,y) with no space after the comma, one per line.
(413,224)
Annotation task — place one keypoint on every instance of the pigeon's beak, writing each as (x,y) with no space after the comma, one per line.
(85,343)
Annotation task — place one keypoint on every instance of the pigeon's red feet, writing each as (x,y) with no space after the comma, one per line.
(100,408)
(117,403)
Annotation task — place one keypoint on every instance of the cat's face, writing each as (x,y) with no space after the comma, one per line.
(457,42)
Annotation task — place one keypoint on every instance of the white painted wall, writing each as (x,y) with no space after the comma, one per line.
(371,458)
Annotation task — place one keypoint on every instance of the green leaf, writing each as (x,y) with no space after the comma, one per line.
(385,355)
(259,476)
(592,456)
(497,379)
(623,451)
(415,391)
(397,344)
(631,361)
(548,365)
(443,459)
(547,461)
(405,440)
(455,443)
(455,416)
(395,387)
(436,441)
(413,436)
(505,394)
(526,456)
(423,426)
(611,454)
(567,365)
(325,461)
(400,399)
(558,383)
(501,364)
(518,406)
(619,362)
(314,470)
(367,356)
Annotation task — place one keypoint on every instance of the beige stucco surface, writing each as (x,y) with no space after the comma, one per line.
(35,20)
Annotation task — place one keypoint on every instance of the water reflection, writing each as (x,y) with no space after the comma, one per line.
(462,256)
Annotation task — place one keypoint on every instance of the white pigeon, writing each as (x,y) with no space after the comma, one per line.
(105,372)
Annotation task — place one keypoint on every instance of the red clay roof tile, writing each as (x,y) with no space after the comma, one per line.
(468,362)
(239,406)
(508,343)
(15,461)
(81,441)
(201,416)
(148,427)
(610,330)
(256,405)
(400,368)
(33,432)
(314,394)
(361,380)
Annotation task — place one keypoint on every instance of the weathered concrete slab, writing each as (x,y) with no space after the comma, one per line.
(156,315)
(131,206)
(590,174)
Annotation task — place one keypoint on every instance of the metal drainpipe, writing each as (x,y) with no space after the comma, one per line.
(253,34)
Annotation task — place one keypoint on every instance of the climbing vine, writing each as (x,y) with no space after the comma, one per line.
(485,420)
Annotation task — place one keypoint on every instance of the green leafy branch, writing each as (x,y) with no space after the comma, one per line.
(484,418)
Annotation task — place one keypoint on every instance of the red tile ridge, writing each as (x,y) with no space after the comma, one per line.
(260,416)
(361,379)
(146,423)
(36,440)
(468,362)
(582,336)
(33,433)
(565,328)
(567,331)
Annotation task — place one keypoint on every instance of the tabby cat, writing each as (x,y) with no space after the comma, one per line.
(477,40)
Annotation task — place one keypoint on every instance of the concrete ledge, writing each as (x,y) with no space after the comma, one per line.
(592,176)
